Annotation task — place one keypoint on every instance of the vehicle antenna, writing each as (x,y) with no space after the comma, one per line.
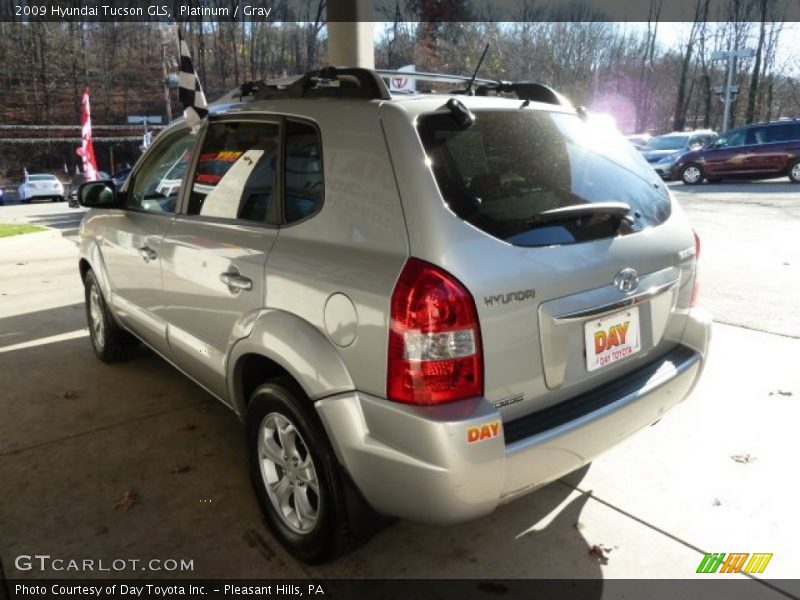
(468,91)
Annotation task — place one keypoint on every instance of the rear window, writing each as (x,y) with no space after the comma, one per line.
(42,178)
(509,166)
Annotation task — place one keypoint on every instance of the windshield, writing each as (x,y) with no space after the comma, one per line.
(671,142)
(511,165)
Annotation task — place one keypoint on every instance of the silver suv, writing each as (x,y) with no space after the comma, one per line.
(421,306)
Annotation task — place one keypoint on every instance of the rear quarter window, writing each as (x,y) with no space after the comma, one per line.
(783,132)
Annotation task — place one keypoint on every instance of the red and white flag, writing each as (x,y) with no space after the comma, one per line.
(86,151)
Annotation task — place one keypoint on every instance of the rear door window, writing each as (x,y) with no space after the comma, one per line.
(509,166)
(236,174)
(758,135)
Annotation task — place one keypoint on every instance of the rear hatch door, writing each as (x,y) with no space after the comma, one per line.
(571,292)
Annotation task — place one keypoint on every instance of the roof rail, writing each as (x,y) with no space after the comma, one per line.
(336,82)
(524,90)
(433,77)
(355,82)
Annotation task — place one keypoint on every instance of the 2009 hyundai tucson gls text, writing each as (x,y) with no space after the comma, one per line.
(421,306)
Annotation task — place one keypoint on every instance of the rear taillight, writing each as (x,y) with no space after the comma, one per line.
(434,338)
(696,287)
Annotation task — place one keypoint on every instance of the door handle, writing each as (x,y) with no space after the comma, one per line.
(147,253)
(236,282)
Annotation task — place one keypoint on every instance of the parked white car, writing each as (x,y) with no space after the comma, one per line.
(41,185)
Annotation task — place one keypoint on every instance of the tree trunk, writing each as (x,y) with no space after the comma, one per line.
(750,117)
(679,121)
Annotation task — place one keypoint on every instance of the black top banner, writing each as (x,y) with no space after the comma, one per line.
(384,10)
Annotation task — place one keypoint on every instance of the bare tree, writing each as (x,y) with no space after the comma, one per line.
(645,92)
(682,100)
(753,94)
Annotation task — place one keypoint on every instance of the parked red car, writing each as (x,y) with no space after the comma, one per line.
(757,151)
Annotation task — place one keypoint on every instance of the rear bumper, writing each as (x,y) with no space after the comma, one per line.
(416,462)
(45,194)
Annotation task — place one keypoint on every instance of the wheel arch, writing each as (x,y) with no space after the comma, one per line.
(282,344)
(795,160)
(92,259)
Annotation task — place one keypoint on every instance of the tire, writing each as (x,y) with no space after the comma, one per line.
(110,342)
(321,531)
(794,172)
(692,174)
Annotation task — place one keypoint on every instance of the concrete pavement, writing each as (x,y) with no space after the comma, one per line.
(81,441)
(750,258)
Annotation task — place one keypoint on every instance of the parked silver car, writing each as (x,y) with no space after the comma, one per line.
(421,306)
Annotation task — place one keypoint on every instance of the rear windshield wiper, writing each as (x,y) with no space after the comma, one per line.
(574,212)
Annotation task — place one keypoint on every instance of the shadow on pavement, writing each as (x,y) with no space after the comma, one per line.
(28,327)
(78,435)
(65,220)
(516,541)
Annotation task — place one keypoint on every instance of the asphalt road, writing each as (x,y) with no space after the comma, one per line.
(750,255)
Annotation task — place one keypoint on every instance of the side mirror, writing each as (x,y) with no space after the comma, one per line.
(99,194)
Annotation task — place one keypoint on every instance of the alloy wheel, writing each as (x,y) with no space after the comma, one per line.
(289,474)
(96,318)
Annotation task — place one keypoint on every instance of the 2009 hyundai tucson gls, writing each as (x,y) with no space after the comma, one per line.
(421,306)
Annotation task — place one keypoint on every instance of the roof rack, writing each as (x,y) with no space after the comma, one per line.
(355,82)
(433,77)
(336,82)
(524,90)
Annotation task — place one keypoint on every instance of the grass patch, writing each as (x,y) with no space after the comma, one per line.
(9,229)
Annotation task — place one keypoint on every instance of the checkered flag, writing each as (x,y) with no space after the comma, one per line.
(190,92)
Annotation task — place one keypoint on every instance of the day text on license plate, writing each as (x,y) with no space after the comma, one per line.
(612,338)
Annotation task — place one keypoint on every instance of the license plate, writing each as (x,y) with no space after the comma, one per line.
(612,338)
